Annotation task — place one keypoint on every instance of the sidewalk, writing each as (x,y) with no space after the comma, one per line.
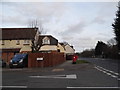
(66,66)
(69,66)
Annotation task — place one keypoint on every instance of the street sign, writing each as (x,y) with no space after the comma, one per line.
(39,59)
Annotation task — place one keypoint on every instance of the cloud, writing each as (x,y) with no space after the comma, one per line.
(74,29)
(26,11)
(99,20)
(74,23)
(77,27)
(105,12)
(82,43)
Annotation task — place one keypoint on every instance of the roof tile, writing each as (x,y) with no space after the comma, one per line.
(17,33)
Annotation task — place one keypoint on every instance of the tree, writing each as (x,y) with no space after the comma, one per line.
(87,53)
(116,27)
(37,24)
(111,42)
(101,49)
(35,46)
(39,29)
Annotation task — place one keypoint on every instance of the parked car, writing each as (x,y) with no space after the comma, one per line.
(19,60)
(2,63)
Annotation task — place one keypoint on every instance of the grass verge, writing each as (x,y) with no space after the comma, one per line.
(81,61)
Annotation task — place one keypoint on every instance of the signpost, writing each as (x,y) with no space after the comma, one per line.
(39,59)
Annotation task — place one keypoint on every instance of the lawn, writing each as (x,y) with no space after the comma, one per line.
(81,61)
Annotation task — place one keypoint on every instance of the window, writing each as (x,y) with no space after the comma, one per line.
(58,50)
(2,42)
(18,42)
(26,42)
(46,40)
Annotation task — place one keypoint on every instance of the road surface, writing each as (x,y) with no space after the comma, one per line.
(66,75)
(109,64)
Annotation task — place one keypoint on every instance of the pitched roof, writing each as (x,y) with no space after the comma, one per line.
(10,50)
(17,33)
(63,44)
(49,36)
(53,41)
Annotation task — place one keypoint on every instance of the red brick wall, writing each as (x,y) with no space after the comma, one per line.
(50,59)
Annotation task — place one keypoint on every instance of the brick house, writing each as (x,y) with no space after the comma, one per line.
(16,40)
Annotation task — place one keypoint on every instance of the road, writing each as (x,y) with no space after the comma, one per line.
(66,75)
(109,64)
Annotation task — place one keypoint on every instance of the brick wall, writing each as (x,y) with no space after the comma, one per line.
(49,59)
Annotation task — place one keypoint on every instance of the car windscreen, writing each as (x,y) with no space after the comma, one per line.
(18,57)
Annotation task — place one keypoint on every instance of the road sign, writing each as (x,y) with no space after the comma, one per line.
(39,59)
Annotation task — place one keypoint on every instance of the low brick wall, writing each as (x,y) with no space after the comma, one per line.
(49,59)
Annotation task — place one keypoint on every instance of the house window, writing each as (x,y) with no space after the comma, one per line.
(46,40)
(26,42)
(2,42)
(18,42)
(58,50)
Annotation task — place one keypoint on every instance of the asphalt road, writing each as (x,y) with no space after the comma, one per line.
(113,65)
(66,75)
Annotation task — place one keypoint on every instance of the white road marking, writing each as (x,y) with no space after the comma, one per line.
(114,76)
(15,69)
(13,86)
(110,74)
(94,87)
(72,76)
(108,70)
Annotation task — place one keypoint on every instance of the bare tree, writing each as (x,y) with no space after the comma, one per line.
(37,24)
(39,30)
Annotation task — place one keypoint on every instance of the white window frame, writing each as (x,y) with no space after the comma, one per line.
(18,42)
(26,42)
(46,40)
(2,42)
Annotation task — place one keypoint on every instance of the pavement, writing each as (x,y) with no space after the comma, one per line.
(65,75)
(66,66)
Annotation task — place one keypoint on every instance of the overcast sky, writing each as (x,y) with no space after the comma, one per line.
(81,24)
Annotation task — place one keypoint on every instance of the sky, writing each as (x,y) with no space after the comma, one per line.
(81,24)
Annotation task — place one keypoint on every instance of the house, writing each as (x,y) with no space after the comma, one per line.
(48,55)
(61,48)
(68,50)
(15,40)
(48,43)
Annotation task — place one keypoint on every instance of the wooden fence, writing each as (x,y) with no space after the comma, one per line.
(49,59)
(7,57)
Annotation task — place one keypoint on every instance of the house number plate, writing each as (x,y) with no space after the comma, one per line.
(39,59)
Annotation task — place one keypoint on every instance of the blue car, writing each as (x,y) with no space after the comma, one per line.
(19,60)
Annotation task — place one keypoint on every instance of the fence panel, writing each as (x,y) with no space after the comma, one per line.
(49,59)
